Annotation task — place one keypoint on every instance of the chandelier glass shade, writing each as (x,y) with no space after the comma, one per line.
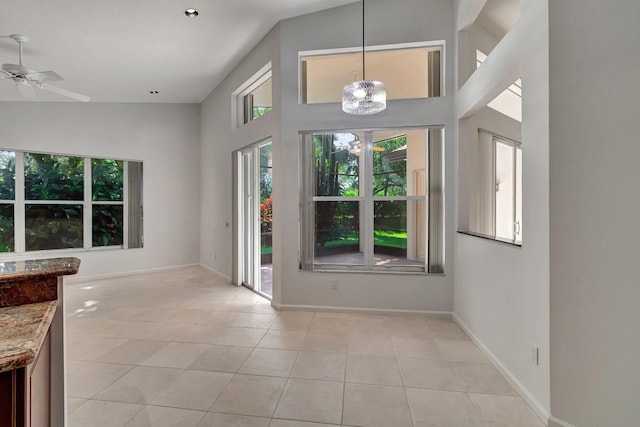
(364,97)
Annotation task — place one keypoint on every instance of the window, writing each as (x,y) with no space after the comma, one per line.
(258,102)
(372,200)
(54,196)
(66,202)
(255,97)
(7,200)
(107,209)
(508,187)
(408,71)
(490,204)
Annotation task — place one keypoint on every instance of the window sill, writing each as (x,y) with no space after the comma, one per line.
(515,243)
(381,271)
(46,253)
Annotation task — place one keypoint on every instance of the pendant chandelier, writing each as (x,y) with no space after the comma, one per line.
(364,97)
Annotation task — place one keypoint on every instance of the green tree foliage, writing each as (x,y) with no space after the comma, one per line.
(106,180)
(6,228)
(266,176)
(336,172)
(7,192)
(48,177)
(107,186)
(61,178)
(266,207)
(389,177)
(106,225)
(53,226)
(7,175)
(260,111)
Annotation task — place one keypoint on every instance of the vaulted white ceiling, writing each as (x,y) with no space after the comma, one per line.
(120,50)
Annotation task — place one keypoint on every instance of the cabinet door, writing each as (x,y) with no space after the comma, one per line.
(39,385)
(8,381)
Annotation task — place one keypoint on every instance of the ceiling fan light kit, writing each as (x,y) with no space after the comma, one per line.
(364,97)
(27,79)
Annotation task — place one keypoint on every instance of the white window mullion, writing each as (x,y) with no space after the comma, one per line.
(368,197)
(106,203)
(362,211)
(55,202)
(19,210)
(514,220)
(125,205)
(86,208)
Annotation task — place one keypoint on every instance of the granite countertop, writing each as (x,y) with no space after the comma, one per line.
(22,331)
(18,270)
(26,282)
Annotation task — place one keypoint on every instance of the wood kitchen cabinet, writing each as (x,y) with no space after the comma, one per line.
(25,393)
(32,368)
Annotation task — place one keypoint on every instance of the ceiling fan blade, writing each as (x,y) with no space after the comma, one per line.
(5,75)
(64,92)
(27,92)
(44,76)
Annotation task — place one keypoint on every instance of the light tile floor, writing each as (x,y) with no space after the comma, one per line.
(183,348)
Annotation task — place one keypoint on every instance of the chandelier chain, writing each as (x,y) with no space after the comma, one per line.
(363,67)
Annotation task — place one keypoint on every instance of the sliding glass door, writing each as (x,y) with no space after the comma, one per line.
(254,185)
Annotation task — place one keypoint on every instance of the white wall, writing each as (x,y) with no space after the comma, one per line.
(501,292)
(164,137)
(595,207)
(219,138)
(387,23)
(473,38)
(411,21)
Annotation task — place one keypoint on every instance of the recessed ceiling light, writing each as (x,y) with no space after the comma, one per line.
(191,13)
(153,92)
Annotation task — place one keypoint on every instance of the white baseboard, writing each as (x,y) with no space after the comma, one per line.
(539,410)
(78,279)
(294,307)
(216,272)
(557,422)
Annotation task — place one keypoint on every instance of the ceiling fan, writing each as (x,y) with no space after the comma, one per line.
(357,147)
(26,79)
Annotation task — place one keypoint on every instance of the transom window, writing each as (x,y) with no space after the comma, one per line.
(254,98)
(370,202)
(409,70)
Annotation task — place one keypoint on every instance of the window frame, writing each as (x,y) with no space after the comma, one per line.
(21,209)
(20,201)
(517,147)
(124,202)
(238,96)
(12,202)
(366,199)
(441,44)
